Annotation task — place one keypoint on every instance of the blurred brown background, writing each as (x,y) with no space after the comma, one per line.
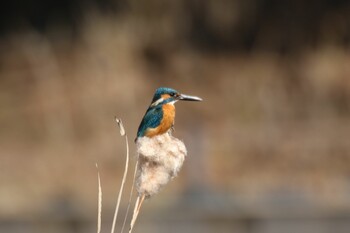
(268,149)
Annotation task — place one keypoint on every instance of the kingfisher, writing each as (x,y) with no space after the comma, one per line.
(160,115)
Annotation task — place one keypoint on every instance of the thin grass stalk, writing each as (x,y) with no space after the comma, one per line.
(99,212)
(130,197)
(122,133)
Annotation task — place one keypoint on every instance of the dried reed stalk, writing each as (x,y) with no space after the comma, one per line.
(99,212)
(122,133)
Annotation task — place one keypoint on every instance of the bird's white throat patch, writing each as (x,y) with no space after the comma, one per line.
(173,102)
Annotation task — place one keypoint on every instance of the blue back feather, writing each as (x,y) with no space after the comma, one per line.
(152,119)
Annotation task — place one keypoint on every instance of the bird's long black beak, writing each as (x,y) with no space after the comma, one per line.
(189,97)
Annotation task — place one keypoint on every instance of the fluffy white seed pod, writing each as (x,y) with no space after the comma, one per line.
(160,159)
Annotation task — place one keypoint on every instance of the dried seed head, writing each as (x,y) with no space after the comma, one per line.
(160,159)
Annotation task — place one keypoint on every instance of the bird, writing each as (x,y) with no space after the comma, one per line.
(160,115)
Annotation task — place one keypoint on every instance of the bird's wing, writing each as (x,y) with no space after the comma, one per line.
(152,119)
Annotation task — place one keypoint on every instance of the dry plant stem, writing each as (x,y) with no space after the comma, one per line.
(137,208)
(140,204)
(134,214)
(99,212)
(130,197)
(122,133)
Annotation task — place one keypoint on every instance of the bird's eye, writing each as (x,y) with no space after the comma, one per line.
(172,94)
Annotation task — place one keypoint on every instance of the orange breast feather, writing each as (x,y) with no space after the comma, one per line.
(166,123)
